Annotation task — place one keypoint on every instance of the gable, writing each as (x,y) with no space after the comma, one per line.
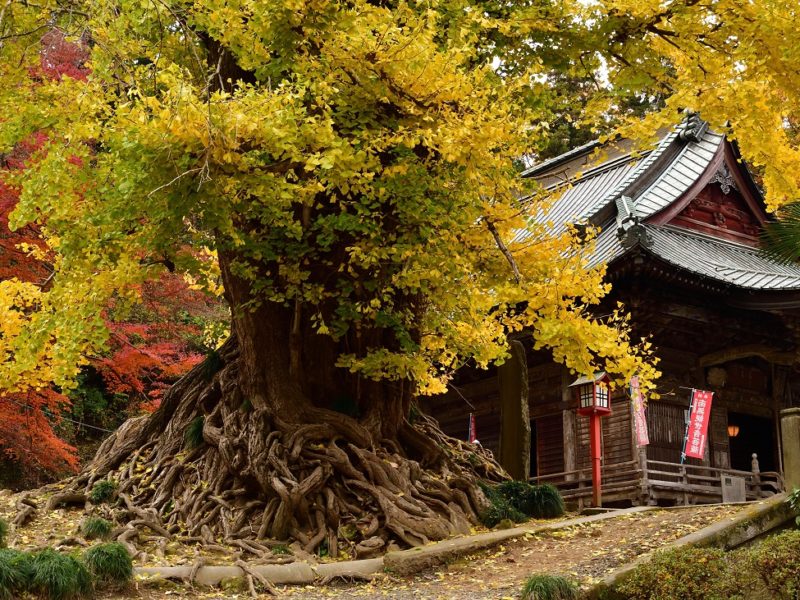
(720,210)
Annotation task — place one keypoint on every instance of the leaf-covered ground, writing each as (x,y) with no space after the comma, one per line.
(584,552)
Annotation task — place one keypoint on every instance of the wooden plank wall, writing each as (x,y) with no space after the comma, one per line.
(616,434)
(549,444)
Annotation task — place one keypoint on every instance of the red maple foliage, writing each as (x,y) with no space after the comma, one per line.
(160,341)
(149,348)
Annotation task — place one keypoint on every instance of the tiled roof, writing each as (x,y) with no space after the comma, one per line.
(653,183)
(727,262)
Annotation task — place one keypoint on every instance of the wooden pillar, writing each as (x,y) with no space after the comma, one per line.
(515,426)
(570,426)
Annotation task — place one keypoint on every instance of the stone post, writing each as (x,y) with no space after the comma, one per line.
(515,426)
(790,438)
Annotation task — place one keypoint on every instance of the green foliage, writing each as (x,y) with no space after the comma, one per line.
(682,574)
(776,561)
(499,508)
(102,491)
(549,587)
(282,549)
(58,576)
(780,239)
(518,500)
(109,563)
(3,533)
(94,528)
(794,502)
(546,502)
(15,573)
(193,437)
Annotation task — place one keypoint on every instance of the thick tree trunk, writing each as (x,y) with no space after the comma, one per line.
(276,463)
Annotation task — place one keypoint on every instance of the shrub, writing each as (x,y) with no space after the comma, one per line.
(546,502)
(549,587)
(682,574)
(94,528)
(794,502)
(501,510)
(15,573)
(109,563)
(59,576)
(193,436)
(517,500)
(102,491)
(3,533)
(776,561)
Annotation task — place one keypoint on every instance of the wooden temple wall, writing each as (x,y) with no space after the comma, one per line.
(561,437)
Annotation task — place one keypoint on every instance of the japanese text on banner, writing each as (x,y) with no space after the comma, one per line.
(639,419)
(698,424)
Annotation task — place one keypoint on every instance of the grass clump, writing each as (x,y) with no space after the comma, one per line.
(519,500)
(15,573)
(281,549)
(58,576)
(546,502)
(109,563)
(102,491)
(3,533)
(549,587)
(96,528)
(193,436)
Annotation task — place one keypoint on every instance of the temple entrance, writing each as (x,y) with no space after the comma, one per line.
(755,435)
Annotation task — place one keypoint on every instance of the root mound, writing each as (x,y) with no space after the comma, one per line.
(208,467)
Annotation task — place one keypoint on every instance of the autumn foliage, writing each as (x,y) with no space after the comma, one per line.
(149,347)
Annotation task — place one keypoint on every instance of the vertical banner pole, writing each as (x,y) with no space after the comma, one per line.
(688,420)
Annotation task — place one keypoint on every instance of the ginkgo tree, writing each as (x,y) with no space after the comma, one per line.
(348,167)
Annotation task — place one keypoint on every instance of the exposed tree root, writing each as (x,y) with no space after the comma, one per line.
(26,510)
(256,481)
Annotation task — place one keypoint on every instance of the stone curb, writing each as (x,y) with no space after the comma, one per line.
(406,562)
(758,518)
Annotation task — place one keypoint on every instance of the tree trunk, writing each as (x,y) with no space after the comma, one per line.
(276,463)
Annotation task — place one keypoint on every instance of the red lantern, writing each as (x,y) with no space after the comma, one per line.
(594,401)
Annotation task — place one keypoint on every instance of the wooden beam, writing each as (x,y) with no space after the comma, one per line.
(738,352)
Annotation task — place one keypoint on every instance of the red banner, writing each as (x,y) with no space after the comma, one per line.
(473,436)
(695,444)
(639,420)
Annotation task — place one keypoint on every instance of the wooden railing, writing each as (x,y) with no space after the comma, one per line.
(650,480)
(619,480)
(690,483)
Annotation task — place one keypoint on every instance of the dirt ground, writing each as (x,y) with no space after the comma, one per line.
(584,553)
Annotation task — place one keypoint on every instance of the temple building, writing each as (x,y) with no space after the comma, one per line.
(679,232)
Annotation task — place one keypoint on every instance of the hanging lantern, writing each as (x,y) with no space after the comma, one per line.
(594,397)
(733,430)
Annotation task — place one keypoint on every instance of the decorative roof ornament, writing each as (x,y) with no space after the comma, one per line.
(630,230)
(725,180)
(693,127)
